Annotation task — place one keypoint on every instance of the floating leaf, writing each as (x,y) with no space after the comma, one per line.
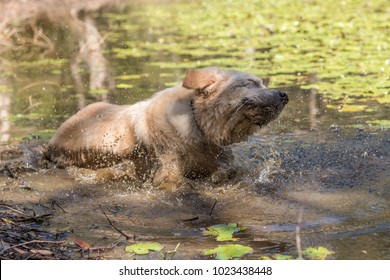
(331,106)
(281,257)
(226,252)
(43,62)
(384,99)
(381,123)
(171,84)
(143,248)
(353,108)
(171,74)
(319,253)
(125,86)
(98,91)
(266,258)
(223,232)
(131,77)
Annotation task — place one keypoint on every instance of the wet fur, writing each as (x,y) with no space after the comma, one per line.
(179,132)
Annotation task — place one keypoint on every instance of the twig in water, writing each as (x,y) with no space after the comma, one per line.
(191,219)
(11,173)
(30,242)
(114,227)
(55,203)
(212,208)
(297,234)
(172,253)
(10,208)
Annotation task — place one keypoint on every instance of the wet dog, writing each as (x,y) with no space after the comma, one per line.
(179,132)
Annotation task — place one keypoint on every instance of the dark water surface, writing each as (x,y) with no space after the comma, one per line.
(325,157)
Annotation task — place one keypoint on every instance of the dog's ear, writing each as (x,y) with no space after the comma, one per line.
(199,79)
(265,81)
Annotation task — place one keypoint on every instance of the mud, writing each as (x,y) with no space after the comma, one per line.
(340,182)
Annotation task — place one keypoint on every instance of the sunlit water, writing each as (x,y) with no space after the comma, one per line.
(331,165)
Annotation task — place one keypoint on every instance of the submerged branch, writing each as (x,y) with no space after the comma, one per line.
(114,227)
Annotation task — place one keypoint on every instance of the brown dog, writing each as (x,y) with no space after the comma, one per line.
(181,131)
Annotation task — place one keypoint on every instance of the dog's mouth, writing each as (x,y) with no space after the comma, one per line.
(262,115)
(264,107)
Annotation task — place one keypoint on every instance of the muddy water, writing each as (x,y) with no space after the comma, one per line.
(339,182)
(327,166)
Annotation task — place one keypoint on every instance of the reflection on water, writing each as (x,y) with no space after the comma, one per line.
(5,104)
(332,163)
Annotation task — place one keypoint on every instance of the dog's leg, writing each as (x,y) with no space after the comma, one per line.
(168,174)
(226,171)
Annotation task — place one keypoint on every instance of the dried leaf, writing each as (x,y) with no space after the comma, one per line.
(42,252)
(81,243)
(7,221)
(19,251)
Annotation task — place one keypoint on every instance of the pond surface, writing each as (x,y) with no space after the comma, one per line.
(324,161)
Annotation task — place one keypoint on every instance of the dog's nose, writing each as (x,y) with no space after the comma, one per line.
(283,96)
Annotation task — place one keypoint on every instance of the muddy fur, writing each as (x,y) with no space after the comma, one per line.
(179,132)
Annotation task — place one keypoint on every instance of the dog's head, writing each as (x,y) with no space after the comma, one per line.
(231,105)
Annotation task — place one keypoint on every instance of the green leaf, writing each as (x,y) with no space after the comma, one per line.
(131,77)
(125,86)
(143,248)
(281,257)
(226,252)
(266,258)
(171,84)
(98,91)
(380,123)
(278,257)
(319,253)
(383,99)
(223,232)
(353,108)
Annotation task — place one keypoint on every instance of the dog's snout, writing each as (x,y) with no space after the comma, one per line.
(283,96)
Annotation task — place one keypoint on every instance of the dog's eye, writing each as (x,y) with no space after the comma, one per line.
(254,83)
(250,84)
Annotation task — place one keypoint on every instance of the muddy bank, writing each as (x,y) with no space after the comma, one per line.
(22,237)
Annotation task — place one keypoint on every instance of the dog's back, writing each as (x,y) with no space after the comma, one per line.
(102,132)
(93,135)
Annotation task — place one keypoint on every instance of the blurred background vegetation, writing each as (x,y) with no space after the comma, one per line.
(58,56)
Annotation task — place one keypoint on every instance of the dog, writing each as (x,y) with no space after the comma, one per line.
(180,132)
